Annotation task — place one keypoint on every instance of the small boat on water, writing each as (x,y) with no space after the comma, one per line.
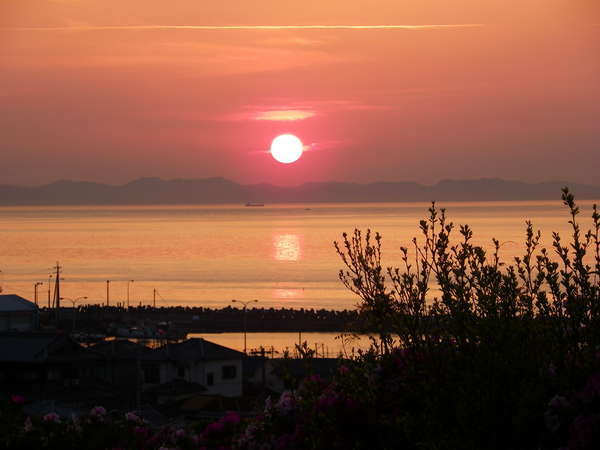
(254,204)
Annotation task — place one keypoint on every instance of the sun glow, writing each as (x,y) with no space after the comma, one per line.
(286,148)
(284,115)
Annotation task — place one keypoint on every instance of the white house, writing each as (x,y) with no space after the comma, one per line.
(217,368)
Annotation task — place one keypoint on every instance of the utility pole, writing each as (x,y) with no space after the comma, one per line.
(128,283)
(154,298)
(49,286)
(245,307)
(57,291)
(35,291)
(107,292)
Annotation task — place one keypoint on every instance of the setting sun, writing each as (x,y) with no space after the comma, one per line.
(286,148)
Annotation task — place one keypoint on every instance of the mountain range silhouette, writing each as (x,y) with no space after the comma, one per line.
(150,190)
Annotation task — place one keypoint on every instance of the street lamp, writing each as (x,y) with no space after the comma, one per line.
(35,291)
(74,302)
(245,306)
(128,283)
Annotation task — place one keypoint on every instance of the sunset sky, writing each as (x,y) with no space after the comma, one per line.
(110,91)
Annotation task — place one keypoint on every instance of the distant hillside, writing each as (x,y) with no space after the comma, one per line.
(220,190)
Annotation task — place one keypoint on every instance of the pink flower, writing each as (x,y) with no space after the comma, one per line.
(98,411)
(558,402)
(268,405)
(141,431)
(132,417)
(327,400)
(213,428)
(28,425)
(315,379)
(51,417)
(286,402)
(17,399)
(232,417)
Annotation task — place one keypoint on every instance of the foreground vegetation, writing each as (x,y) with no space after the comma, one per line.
(498,356)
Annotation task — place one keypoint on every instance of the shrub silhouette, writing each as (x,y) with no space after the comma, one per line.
(494,340)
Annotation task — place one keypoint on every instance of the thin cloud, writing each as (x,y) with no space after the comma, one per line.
(248,27)
(285,115)
(299,110)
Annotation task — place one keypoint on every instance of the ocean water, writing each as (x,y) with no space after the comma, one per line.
(329,345)
(280,255)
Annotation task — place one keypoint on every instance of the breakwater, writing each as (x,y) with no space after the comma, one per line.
(179,319)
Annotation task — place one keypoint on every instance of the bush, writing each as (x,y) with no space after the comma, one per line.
(497,341)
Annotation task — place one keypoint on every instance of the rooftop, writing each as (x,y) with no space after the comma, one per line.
(15,303)
(121,348)
(198,349)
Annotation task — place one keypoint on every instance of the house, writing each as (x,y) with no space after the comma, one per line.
(17,314)
(123,360)
(41,359)
(216,368)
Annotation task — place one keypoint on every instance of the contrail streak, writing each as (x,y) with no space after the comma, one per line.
(247,27)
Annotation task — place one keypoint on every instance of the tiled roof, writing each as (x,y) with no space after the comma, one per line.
(14,303)
(121,348)
(198,349)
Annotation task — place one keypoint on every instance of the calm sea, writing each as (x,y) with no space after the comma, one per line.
(281,255)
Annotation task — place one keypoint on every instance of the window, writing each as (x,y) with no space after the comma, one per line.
(229,372)
(210,379)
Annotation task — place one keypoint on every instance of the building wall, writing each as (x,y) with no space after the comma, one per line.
(18,321)
(226,375)
(226,382)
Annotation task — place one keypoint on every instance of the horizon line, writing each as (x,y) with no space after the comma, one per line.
(424,184)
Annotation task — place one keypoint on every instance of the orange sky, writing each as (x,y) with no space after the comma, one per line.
(110,91)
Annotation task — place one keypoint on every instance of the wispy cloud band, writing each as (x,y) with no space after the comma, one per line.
(246,27)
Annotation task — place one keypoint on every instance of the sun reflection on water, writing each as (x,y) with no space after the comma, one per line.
(286,247)
(287,293)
